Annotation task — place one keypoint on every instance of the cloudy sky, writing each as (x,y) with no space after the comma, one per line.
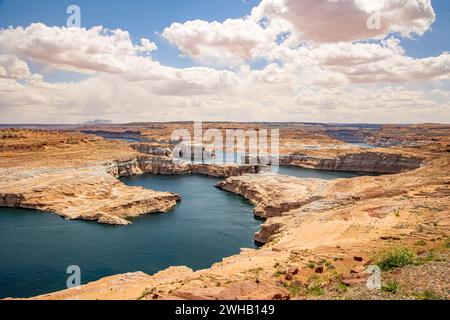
(377,61)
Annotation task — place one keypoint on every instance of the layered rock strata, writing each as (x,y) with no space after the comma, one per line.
(343,222)
(75,176)
(153,149)
(350,161)
(340,224)
(370,162)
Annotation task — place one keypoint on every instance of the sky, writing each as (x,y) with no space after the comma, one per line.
(371,61)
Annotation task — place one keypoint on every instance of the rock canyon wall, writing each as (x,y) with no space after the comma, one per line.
(370,162)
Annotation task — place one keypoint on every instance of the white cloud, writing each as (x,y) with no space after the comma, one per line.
(347,20)
(312,74)
(74,49)
(365,63)
(11,67)
(231,42)
(320,21)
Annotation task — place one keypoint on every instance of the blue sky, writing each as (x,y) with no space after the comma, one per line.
(53,74)
(148,18)
(140,18)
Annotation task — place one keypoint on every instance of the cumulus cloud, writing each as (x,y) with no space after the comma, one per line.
(297,21)
(11,67)
(317,68)
(350,20)
(384,62)
(74,49)
(233,41)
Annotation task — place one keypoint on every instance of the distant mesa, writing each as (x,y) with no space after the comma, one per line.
(97,122)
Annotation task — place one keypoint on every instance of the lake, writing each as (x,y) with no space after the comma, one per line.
(208,224)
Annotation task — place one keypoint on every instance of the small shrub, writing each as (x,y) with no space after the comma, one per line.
(341,287)
(295,288)
(315,290)
(311,265)
(279,273)
(395,258)
(391,286)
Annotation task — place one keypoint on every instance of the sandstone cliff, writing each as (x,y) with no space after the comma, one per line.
(334,226)
(370,162)
(75,176)
(318,234)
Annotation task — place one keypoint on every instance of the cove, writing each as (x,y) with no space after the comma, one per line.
(207,225)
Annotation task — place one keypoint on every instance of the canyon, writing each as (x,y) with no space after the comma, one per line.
(75,176)
(344,222)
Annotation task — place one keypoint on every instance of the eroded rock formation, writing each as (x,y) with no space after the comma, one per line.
(334,226)
(371,162)
(75,176)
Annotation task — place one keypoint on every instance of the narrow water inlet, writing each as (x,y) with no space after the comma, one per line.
(206,226)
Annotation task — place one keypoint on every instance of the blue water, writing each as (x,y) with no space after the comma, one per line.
(319,174)
(365,145)
(123,139)
(208,224)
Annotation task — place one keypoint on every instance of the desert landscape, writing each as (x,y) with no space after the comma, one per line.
(318,236)
(220,159)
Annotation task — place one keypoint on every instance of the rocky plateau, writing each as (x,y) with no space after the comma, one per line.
(318,236)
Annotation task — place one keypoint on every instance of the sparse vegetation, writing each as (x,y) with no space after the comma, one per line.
(341,287)
(279,273)
(430,257)
(256,270)
(315,289)
(394,258)
(391,286)
(421,243)
(295,288)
